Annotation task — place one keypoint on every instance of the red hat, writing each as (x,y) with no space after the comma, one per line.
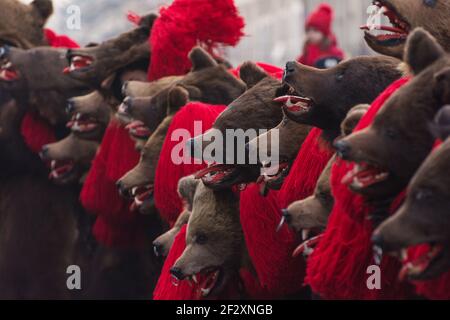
(321,19)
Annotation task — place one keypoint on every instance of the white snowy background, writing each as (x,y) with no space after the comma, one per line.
(274,28)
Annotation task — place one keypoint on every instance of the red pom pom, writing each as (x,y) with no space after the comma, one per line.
(186,23)
(337,268)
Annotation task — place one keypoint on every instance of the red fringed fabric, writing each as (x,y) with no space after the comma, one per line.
(116,225)
(36,132)
(306,169)
(338,267)
(59,41)
(253,288)
(165,288)
(186,23)
(270,251)
(167,172)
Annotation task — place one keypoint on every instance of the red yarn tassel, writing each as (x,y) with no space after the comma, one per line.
(116,225)
(306,169)
(167,288)
(270,251)
(184,24)
(167,172)
(337,268)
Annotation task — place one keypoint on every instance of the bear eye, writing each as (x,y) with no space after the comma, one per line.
(201,238)
(423,195)
(430,3)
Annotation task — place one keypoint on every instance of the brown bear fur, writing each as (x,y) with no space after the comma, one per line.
(400,130)
(39,233)
(423,217)
(313,212)
(73,152)
(214,239)
(22,25)
(333,92)
(143,174)
(112,55)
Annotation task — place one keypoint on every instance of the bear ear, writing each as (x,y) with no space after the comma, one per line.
(178,97)
(148,20)
(422,50)
(44,8)
(201,59)
(441,88)
(251,74)
(186,190)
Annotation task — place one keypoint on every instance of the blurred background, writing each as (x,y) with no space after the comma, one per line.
(274,28)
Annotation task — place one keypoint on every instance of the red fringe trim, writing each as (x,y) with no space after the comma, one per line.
(165,289)
(186,23)
(270,251)
(116,225)
(337,268)
(306,169)
(167,173)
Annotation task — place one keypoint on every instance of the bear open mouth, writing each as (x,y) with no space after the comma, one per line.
(61,169)
(140,195)
(123,115)
(388,35)
(138,130)
(295,103)
(82,123)
(310,239)
(7,70)
(206,281)
(272,173)
(416,268)
(78,62)
(216,174)
(364,175)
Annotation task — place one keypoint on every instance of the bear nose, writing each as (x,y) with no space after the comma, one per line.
(290,68)
(343,148)
(177,273)
(123,191)
(70,106)
(157,248)
(124,89)
(44,153)
(127,103)
(287,216)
